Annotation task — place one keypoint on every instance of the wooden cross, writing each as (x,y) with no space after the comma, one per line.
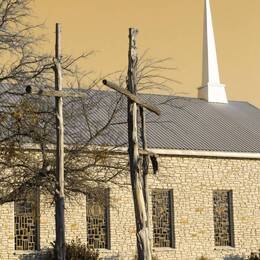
(58,94)
(52,93)
(138,181)
(132,97)
(142,104)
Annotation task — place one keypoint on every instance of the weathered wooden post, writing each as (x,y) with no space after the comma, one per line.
(145,166)
(59,94)
(138,178)
(59,196)
(140,200)
(143,241)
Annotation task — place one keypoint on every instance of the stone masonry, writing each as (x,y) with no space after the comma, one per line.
(192,181)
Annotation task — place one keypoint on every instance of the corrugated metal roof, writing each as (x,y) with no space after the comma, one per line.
(184,124)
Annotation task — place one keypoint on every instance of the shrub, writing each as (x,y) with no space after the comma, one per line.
(79,251)
(76,250)
(254,256)
(203,258)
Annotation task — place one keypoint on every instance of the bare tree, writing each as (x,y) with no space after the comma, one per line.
(17,44)
(27,138)
(27,160)
(29,120)
(19,48)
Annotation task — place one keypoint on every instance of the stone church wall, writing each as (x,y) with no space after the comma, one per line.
(192,181)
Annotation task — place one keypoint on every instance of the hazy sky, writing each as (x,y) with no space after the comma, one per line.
(168,28)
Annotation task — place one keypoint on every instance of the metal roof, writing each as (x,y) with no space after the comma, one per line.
(184,123)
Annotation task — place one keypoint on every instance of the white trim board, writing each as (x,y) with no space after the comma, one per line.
(206,153)
(160,151)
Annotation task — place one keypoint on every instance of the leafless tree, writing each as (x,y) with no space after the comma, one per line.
(92,125)
(27,123)
(27,157)
(17,44)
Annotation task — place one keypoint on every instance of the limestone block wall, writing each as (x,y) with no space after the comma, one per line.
(121,222)
(6,231)
(47,222)
(193,180)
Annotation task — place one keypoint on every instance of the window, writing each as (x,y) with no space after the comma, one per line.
(163,219)
(98,220)
(25,229)
(223,218)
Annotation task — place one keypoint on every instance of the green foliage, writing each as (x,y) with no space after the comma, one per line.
(76,250)
(254,256)
(203,258)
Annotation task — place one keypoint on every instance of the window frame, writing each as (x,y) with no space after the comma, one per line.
(107,219)
(171,219)
(230,218)
(36,200)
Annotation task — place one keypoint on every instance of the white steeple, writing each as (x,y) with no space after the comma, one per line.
(212,90)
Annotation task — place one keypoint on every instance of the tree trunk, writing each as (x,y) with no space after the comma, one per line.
(142,232)
(59,198)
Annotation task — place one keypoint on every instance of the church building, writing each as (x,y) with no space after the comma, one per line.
(204,201)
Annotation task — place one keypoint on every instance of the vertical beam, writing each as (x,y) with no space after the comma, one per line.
(145,157)
(59,199)
(145,170)
(142,233)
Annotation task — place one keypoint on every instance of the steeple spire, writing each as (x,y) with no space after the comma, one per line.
(212,90)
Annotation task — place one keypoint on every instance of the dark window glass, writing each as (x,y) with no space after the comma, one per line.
(97,213)
(163,219)
(223,218)
(25,221)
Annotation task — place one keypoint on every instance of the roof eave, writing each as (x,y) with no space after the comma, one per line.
(169,152)
(198,153)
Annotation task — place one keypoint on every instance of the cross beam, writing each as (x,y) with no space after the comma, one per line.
(132,97)
(52,93)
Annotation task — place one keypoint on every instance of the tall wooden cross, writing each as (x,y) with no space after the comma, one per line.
(60,203)
(58,94)
(138,181)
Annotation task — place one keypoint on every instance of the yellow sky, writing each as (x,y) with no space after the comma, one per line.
(168,28)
